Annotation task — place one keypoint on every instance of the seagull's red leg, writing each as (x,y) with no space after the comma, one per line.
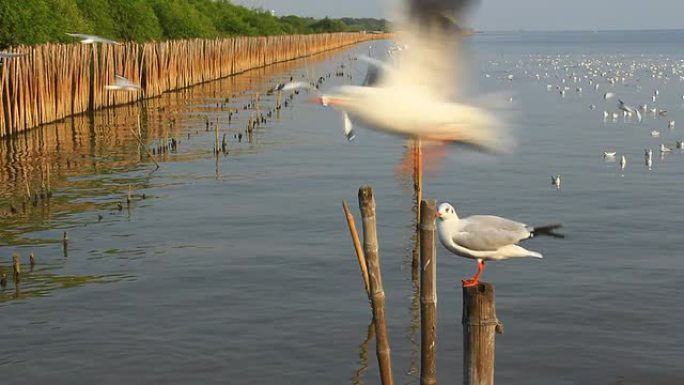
(476,278)
(434,153)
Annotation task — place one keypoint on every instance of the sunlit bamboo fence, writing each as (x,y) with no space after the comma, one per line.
(58,80)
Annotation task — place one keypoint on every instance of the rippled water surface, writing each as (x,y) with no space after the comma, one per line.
(239,268)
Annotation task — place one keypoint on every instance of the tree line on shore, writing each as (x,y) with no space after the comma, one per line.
(41,21)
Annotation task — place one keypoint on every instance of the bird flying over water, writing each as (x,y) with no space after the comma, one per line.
(92,39)
(123,84)
(486,237)
(419,98)
(10,55)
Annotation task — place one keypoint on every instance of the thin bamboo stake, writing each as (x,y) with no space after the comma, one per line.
(370,247)
(357,246)
(16,267)
(418,175)
(428,294)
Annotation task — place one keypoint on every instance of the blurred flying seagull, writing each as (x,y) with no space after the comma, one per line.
(417,98)
(486,237)
(91,39)
(123,84)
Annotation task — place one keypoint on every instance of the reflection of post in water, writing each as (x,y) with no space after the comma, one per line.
(414,309)
(363,355)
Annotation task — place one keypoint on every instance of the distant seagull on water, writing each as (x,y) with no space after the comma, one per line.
(486,237)
(556,181)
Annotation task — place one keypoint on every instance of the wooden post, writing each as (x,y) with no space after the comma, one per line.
(16,266)
(479,326)
(363,265)
(418,174)
(428,294)
(65,242)
(370,248)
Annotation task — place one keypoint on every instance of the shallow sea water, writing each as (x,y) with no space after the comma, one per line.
(240,269)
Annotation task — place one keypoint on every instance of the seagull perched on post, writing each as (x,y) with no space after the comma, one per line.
(486,237)
(92,39)
(419,98)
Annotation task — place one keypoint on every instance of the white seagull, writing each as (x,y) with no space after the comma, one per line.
(416,98)
(664,148)
(123,84)
(486,237)
(556,181)
(92,39)
(10,55)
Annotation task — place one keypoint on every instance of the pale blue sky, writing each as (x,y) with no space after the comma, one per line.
(514,14)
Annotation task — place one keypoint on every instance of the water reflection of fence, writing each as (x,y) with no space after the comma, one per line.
(58,80)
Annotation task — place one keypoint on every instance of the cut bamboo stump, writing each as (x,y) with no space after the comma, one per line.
(370,248)
(428,294)
(479,328)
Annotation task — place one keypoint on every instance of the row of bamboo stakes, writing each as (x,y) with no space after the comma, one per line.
(54,81)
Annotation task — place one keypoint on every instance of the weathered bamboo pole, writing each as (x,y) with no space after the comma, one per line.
(479,327)
(16,267)
(370,248)
(65,244)
(428,294)
(363,264)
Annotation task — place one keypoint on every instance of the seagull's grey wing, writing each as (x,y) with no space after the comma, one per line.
(486,232)
(432,31)
(120,80)
(104,40)
(79,35)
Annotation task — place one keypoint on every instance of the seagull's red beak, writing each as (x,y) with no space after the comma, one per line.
(438,214)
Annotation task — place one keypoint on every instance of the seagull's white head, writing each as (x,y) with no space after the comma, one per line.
(446,211)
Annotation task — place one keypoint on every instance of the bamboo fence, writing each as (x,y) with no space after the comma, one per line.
(55,81)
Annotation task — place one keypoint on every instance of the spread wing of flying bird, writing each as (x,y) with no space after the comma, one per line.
(92,39)
(122,84)
(10,55)
(374,72)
